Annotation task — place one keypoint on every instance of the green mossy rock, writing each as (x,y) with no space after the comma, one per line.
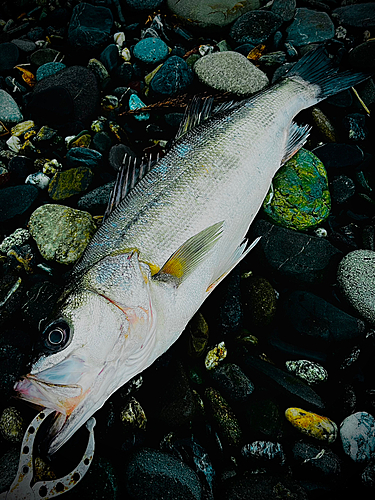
(299,197)
(70,182)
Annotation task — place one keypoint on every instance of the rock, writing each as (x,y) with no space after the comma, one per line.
(110,57)
(338,155)
(316,462)
(9,111)
(342,189)
(284,8)
(133,416)
(230,71)
(324,125)
(264,450)
(368,476)
(224,417)
(356,278)
(43,56)
(310,26)
(61,233)
(263,418)
(8,468)
(310,372)
(12,426)
(313,322)
(69,183)
(259,301)
(19,237)
(152,474)
(78,89)
(313,425)
(232,382)
(136,103)
(26,46)
(96,201)
(361,16)
(38,179)
(197,330)
(48,69)
(362,57)
(144,4)
(255,27)
(89,26)
(151,50)
(9,54)
(173,77)
(16,200)
(299,197)
(117,154)
(357,433)
(355,127)
(206,15)
(77,157)
(215,356)
(294,256)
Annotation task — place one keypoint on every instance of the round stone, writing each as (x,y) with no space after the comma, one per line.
(61,233)
(299,197)
(151,50)
(9,111)
(357,432)
(230,71)
(255,27)
(310,26)
(172,78)
(48,69)
(356,278)
(314,425)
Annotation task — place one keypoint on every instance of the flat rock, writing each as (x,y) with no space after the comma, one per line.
(48,69)
(356,278)
(211,15)
(10,113)
(151,50)
(69,183)
(230,71)
(310,26)
(357,432)
(90,26)
(61,233)
(361,16)
(255,27)
(44,56)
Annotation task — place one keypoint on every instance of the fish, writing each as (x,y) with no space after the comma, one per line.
(168,243)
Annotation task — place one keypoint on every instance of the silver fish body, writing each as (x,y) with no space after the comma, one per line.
(172,239)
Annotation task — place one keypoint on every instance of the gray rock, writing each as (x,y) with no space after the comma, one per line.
(284,8)
(310,26)
(255,27)
(97,199)
(8,468)
(230,71)
(357,432)
(361,16)
(9,111)
(356,278)
(211,14)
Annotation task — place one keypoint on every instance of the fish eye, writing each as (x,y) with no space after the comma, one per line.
(56,335)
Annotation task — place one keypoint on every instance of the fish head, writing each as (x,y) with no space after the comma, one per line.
(101,336)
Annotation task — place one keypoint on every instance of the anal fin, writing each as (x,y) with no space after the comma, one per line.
(190,254)
(298,135)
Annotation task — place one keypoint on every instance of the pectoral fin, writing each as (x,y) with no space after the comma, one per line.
(186,259)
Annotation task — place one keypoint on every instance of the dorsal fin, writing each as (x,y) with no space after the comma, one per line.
(196,112)
(130,173)
(298,135)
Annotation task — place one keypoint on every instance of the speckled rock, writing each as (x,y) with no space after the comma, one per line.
(357,433)
(11,425)
(48,69)
(9,111)
(299,197)
(314,425)
(264,450)
(19,237)
(96,201)
(230,71)
(255,27)
(310,26)
(307,370)
(173,77)
(259,299)
(61,233)
(69,182)
(314,461)
(232,382)
(151,50)
(211,15)
(224,417)
(89,26)
(356,278)
(215,356)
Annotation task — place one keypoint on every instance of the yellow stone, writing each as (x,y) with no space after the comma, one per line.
(22,127)
(314,425)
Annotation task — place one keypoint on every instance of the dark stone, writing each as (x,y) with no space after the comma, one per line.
(143,4)
(152,474)
(232,383)
(78,157)
(124,73)
(310,26)
(96,201)
(284,8)
(101,142)
(343,99)
(51,105)
(173,77)
(362,57)
(263,419)
(9,54)
(342,188)
(20,167)
(255,27)
(361,16)
(334,155)
(8,467)
(230,311)
(313,463)
(116,155)
(14,359)
(245,48)
(26,46)
(259,301)
(44,56)
(89,26)
(355,126)
(315,323)
(294,256)
(16,200)
(48,69)
(110,57)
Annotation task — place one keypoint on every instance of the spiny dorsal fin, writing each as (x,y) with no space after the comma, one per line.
(130,173)
(190,254)
(196,112)
(298,135)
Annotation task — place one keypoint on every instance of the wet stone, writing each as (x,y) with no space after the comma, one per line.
(310,26)
(264,450)
(362,57)
(77,157)
(11,425)
(69,183)
(96,201)
(255,27)
(48,69)
(224,417)
(16,200)
(259,301)
(110,57)
(361,16)
(43,56)
(339,155)
(19,237)
(299,197)
(52,105)
(9,54)
(89,26)
(173,77)
(315,461)
(230,71)
(61,233)
(310,372)
(342,189)
(151,50)
(215,356)
(232,383)
(153,474)
(357,433)
(284,8)
(9,111)
(313,425)
(356,278)
(355,127)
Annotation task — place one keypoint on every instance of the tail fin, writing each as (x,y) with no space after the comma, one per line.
(317,68)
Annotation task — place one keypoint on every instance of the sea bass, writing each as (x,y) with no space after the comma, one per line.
(167,245)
